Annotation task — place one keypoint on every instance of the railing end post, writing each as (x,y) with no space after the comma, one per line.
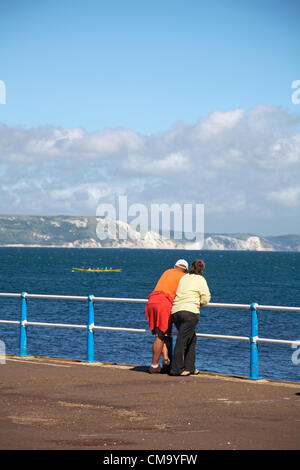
(254,362)
(23,329)
(90,330)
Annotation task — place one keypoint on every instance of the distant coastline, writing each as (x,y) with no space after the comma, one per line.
(31,231)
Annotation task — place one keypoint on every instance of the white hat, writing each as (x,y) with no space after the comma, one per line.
(181,263)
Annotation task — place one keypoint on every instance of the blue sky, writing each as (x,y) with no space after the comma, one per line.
(145,64)
(123,78)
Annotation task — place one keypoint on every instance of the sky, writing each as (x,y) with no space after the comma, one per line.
(164,101)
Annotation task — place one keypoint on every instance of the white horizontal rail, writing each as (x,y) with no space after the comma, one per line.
(8,294)
(12,322)
(276,307)
(55,325)
(56,297)
(244,306)
(277,341)
(238,338)
(141,330)
(125,299)
(114,328)
(119,299)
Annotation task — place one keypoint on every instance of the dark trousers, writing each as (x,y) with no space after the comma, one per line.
(185,348)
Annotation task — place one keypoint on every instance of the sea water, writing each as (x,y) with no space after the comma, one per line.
(267,278)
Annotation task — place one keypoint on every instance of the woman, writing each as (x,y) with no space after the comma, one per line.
(191,294)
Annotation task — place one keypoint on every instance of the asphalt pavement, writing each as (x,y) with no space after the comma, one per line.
(59,404)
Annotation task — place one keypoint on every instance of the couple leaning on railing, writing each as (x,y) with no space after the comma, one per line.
(177,298)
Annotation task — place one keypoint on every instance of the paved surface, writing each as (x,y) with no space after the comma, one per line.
(59,404)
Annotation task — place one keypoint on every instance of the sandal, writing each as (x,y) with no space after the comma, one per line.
(196,372)
(185,373)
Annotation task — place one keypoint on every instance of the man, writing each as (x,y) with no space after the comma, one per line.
(158,313)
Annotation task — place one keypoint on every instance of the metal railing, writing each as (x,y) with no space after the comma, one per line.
(253,339)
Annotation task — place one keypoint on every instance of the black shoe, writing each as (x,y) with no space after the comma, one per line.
(166,366)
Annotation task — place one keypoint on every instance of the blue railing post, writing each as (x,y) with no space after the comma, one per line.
(23,328)
(253,343)
(90,331)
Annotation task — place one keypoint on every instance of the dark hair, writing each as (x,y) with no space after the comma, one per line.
(197,267)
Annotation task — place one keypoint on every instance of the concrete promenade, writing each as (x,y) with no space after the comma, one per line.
(48,403)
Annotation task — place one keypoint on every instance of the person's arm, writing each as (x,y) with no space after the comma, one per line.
(204,293)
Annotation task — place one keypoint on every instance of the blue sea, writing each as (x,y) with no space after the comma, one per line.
(267,278)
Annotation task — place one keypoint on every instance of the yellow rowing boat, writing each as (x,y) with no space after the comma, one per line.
(97,270)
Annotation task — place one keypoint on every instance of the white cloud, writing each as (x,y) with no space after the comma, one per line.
(143,165)
(218,122)
(235,162)
(21,145)
(285,196)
